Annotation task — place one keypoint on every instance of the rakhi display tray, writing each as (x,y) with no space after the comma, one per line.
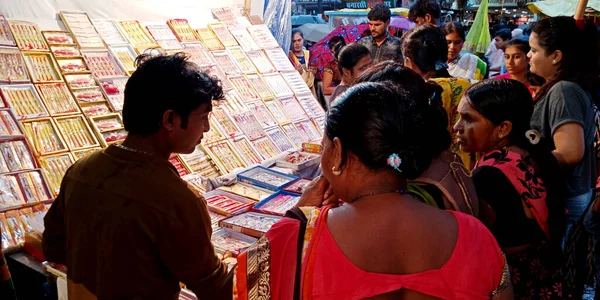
(182,30)
(178,163)
(247,191)
(84,32)
(58,38)
(76,132)
(198,54)
(247,151)
(6,37)
(9,127)
(24,100)
(109,32)
(298,161)
(15,156)
(266,178)
(44,136)
(102,64)
(263,36)
(297,187)
(226,203)
(234,242)
(250,223)
(57,98)
(12,66)
(137,35)
(114,89)
(126,56)
(28,36)
(65,51)
(209,39)
(72,65)
(54,168)
(42,67)
(278,203)
(223,34)
(244,39)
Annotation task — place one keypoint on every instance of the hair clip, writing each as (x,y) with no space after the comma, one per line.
(394,161)
(440,64)
(533,136)
(432,97)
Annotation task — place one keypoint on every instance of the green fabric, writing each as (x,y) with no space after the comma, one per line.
(482,67)
(421,194)
(479,37)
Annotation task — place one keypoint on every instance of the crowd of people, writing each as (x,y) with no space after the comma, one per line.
(522,160)
(437,182)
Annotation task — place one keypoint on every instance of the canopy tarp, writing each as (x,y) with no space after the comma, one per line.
(553,8)
(398,11)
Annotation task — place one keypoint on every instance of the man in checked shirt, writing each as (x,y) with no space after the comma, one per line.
(382,45)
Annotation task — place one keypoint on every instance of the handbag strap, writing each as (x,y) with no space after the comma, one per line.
(297,214)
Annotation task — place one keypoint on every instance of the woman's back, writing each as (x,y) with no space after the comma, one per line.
(409,248)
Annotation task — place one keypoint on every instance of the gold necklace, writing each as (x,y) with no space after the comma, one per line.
(401,191)
(133,150)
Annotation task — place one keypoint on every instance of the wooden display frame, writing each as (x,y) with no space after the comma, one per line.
(198,54)
(33,137)
(241,60)
(86,37)
(237,144)
(101,132)
(26,111)
(107,27)
(49,35)
(90,55)
(51,66)
(142,38)
(8,57)
(223,34)
(50,100)
(80,61)
(116,100)
(85,126)
(40,42)
(218,158)
(53,180)
(209,39)
(125,56)
(6,36)
(182,30)
(260,86)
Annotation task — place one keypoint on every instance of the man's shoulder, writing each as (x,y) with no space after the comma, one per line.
(365,40)
(395,39)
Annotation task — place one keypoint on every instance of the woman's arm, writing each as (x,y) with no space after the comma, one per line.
(570,144)
(328,83)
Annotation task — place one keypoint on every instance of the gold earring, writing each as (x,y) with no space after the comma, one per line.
(336,172)
(554,62)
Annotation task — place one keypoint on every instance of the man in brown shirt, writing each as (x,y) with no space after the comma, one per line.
(125,225)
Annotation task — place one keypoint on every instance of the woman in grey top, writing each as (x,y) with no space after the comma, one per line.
(563,113)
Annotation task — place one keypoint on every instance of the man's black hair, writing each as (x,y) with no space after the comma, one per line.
(161,83)
(504,34)
(379,12)
(423,7)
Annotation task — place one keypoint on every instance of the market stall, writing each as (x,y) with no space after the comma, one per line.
(62,93)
